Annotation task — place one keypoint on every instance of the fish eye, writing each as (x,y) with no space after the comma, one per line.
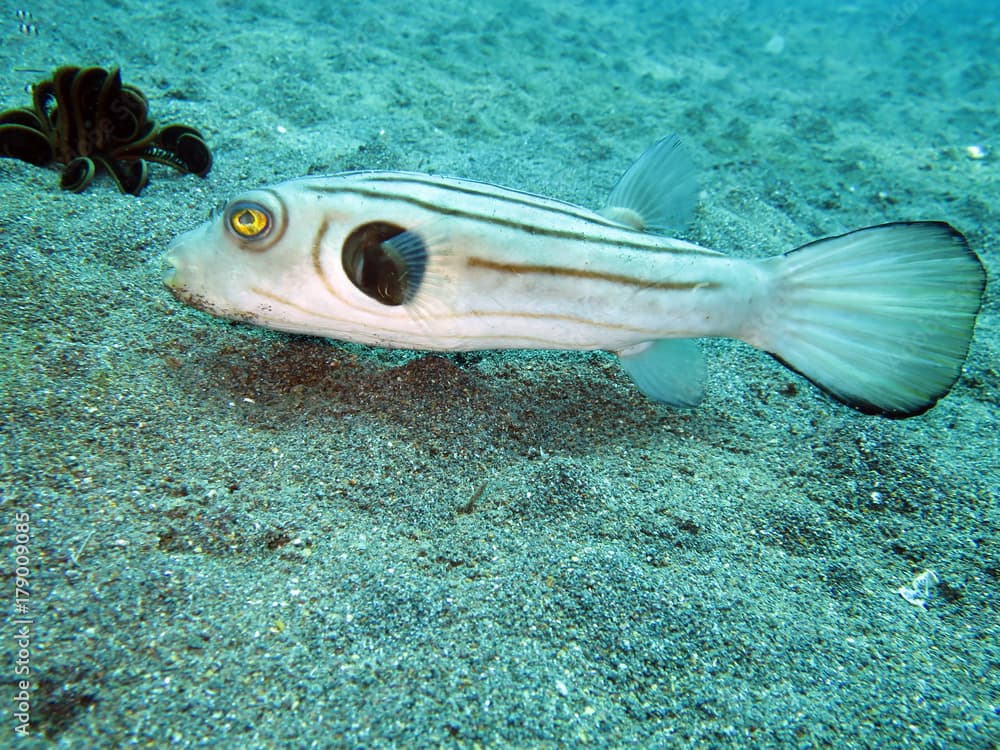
(249,220)
(256,221)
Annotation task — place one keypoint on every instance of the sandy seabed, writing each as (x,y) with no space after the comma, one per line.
(239,538)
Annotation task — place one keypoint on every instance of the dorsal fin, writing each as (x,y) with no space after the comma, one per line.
(658,192)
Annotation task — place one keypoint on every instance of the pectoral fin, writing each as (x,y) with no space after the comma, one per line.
(670,370)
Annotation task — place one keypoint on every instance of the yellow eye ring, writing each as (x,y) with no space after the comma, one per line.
(255,221)
(249,221)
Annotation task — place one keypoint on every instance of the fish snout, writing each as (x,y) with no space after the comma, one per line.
(169,272)
(187,274)
(177,272)
(177,262)
(172,267)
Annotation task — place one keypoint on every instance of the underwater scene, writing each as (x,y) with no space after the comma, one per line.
(480,445)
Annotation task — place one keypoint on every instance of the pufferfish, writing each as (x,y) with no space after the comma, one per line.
(880,318)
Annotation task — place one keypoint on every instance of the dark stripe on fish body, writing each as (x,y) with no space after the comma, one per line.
(532,229)
(579,273)
(317,260)
(317,248)
(508,195)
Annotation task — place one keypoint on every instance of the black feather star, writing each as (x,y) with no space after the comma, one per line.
(88,121)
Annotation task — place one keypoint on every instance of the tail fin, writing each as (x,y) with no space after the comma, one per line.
(880,318)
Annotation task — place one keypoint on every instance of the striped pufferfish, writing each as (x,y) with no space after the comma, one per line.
(880,318)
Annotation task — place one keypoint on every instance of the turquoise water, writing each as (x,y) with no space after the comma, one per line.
(241,538)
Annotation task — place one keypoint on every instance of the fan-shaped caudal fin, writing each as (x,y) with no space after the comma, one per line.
(880,318)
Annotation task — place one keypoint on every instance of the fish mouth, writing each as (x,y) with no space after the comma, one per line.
(170,265)
(179,260)
(176,278)
(169,276)
(179,265)
(173,279)
(173,275)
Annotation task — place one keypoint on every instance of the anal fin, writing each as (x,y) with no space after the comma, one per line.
(668,370)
